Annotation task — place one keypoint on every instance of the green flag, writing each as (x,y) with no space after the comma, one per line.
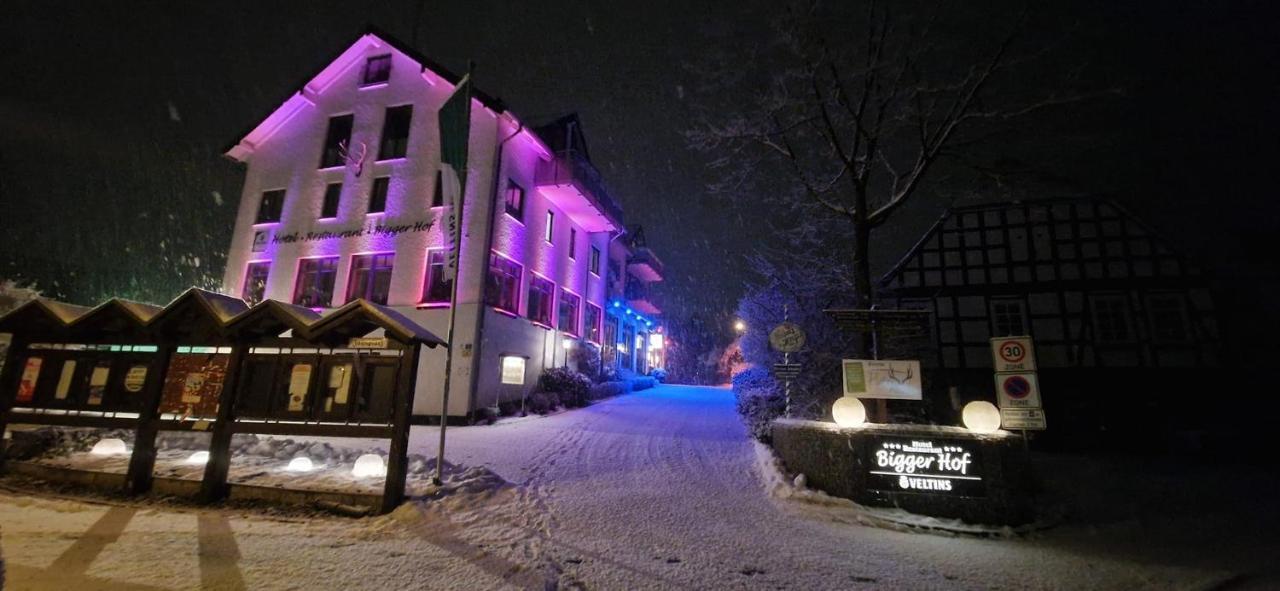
(455,131)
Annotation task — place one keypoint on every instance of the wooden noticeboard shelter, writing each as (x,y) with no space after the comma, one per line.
(208,361)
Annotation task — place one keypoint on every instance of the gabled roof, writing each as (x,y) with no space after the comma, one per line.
(272,317)
(330,69)
(40,315)
(360,317)
(136,312)
(219,309)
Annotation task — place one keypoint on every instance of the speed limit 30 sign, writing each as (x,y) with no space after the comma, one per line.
(1011,354)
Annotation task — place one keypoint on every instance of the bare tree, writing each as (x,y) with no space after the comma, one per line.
(861,120)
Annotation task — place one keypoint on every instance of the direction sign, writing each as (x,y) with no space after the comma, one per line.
(787,337)
(1013,354)
(902,323)
(1018,390)
(786,371)
(1031,419)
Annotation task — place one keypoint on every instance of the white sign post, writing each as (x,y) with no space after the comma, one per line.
(1017,384)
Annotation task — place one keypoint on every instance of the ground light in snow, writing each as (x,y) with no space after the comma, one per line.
(299,465)
(981,416)
(110,446)
(199,458)
(849,412)
(369,465)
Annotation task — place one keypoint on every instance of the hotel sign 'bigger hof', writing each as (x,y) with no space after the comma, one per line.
(899,465)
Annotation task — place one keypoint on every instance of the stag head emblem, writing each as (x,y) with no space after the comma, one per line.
(354,155)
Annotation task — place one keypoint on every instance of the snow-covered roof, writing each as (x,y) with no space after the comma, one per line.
(360,317)
(136,312)
(57,314)
(279,315)
(222,308)
(320,80)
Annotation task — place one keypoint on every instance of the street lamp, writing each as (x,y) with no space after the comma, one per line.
(567,344)
(740,326)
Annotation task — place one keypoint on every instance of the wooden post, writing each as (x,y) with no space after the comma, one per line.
(397,463)
(9,376)
(213,487)
(143,460)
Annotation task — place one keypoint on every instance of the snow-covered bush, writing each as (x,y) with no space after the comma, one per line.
(571,386)
(542,402)
(586,356)
(608,390)
(659,374)
(753,378)
(759,400)
(759,407)
(642,383)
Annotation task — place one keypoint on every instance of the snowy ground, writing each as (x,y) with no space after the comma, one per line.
(658,489)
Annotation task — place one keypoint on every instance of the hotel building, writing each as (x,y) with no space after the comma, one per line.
(342,199)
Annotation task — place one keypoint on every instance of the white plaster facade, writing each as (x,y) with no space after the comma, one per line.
(284,151)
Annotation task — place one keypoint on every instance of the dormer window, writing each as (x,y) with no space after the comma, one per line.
(377,70)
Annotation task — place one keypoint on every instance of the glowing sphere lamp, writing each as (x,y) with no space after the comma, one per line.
(849,412)
(981,416)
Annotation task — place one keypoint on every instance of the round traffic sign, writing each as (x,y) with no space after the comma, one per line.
(1012,351)
(1016,387)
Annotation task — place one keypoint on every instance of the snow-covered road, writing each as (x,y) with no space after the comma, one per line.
(657,489)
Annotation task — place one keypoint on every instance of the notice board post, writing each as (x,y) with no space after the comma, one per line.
(143,460)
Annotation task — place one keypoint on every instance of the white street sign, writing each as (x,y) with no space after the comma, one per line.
(890,379)
(1013,354)
(1022,418)
(1018,390)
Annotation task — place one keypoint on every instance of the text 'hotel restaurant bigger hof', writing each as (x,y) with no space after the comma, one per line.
(342,200)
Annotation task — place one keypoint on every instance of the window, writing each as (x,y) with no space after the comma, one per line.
(595,261)
(269,209)
(377,70)
(569,306)
(573,243)
(541,295)
(1168,318)
(336,141)
(1007,318)
(378,196)
(592,322)
(395,132)
(314,287)
(332,195)
(1111,319)
(550,231)
(439,286)
(255,282)
(515,200)
(502,287)
(437,196)
(370,277)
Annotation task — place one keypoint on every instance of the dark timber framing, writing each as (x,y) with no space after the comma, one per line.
(1053,261)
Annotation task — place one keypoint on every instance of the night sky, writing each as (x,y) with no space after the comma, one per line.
(114,115)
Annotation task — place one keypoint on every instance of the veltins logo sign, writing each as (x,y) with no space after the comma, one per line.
(915,465)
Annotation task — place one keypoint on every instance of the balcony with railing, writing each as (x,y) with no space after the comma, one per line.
(573,184)
(641,298)
(644,264)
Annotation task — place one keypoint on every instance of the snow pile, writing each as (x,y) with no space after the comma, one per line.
(792,494)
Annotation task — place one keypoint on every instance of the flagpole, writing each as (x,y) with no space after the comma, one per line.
(456,244)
